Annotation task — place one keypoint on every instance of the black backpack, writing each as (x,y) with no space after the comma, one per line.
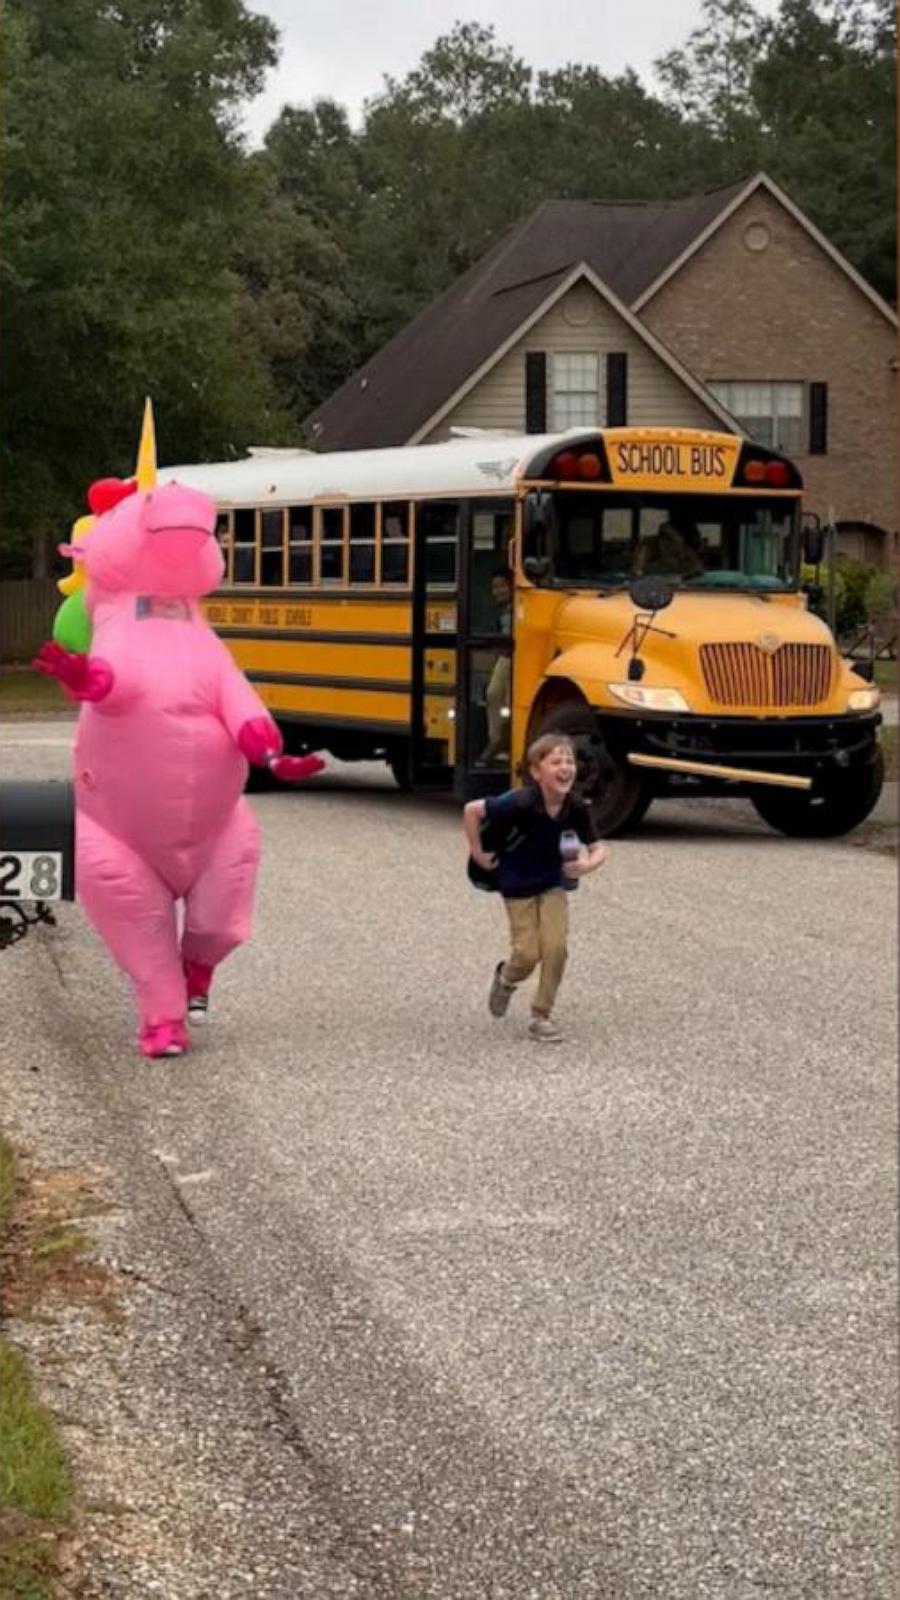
(495,836)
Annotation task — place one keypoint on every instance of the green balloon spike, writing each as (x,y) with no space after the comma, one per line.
(72,625)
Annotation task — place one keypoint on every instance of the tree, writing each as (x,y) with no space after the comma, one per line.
(810,96)
(710,79)
(825,91)
(465,75)
(125,203)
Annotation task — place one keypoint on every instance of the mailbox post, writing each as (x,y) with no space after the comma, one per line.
(37,854)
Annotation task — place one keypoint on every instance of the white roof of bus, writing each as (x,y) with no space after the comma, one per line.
(477,465)
(461,466)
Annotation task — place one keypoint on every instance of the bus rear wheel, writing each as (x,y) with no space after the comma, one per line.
(826,812)
(618,794)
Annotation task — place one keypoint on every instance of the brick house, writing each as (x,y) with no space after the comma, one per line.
(724,310)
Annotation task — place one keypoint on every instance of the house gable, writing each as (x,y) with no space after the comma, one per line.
(579,315)
(762,302)
(761,185)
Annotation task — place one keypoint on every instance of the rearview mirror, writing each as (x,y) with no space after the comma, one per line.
(539,521)
(651,594)
(536,567)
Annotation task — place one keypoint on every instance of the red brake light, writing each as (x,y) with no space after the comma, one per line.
(778,474)
(589,465)
(565,465)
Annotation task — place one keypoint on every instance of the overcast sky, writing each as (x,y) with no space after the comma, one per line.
(342,49)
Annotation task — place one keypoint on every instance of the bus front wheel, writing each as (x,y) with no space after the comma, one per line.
(617,793)
(831,809)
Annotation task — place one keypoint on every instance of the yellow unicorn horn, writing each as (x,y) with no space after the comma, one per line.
(145,470)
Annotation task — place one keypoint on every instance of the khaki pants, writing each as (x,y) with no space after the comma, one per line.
(538,928)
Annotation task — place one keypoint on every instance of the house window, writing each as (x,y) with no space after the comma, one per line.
(772,413)
(576,390)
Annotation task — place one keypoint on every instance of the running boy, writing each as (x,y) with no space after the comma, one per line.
(547,840)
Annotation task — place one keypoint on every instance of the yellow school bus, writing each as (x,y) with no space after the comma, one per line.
(438,606)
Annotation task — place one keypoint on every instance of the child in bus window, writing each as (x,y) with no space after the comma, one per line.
(544,841)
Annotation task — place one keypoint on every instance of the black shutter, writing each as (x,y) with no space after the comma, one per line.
(616,389)
(535,391)
(818,419)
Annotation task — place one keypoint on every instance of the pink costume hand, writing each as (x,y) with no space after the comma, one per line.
(82,677)
(259,739)
(293,769)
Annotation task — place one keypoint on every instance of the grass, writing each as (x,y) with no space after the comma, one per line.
(886,676)
(28,692)
(35,1486)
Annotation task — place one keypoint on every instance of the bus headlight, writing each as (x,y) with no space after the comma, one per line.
(864,699)
(646,698)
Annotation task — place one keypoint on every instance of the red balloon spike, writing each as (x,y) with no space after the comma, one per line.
(107,492)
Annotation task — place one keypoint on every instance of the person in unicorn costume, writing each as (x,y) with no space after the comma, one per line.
(167,849)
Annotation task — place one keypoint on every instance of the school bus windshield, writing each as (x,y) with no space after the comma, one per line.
(709,541)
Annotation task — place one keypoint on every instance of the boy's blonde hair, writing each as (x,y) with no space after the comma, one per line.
(541,747)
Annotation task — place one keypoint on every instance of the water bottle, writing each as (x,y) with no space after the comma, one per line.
(569,845)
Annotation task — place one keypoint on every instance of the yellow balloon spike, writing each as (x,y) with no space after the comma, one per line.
(77,578)
(145,471)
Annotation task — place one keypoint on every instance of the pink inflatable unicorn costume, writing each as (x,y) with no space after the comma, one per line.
(167,726)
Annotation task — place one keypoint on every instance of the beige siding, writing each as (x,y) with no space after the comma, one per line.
(581,321)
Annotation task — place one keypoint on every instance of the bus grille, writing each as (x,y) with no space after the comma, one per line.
(744,675)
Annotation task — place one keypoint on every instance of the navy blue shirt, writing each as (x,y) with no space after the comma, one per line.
(526,840)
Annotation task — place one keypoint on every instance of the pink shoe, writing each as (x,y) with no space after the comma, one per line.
(163,1039)
(198,979)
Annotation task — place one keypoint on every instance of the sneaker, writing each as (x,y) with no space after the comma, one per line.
(198,1010)
(501,993)
(198,978)
(545,1030)
(163,1039)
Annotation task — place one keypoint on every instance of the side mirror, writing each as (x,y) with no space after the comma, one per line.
(651,594)
(864,669)
(813,544)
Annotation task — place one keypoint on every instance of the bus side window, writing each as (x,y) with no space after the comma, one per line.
(362,543)
(271,561)
(440,520)
(395,542)
(244,547)
(491,529)
(224,538)
(300,544)
(331,544)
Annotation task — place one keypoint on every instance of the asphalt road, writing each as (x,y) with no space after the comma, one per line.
(421,1308)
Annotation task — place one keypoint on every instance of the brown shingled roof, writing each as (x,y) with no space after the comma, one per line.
(627,244)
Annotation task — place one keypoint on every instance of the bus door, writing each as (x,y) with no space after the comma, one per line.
(485,650)
(435,667)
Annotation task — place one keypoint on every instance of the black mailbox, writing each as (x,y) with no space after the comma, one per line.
(37,842)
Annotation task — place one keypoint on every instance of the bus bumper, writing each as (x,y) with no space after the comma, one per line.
(705,769)
(687,752)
